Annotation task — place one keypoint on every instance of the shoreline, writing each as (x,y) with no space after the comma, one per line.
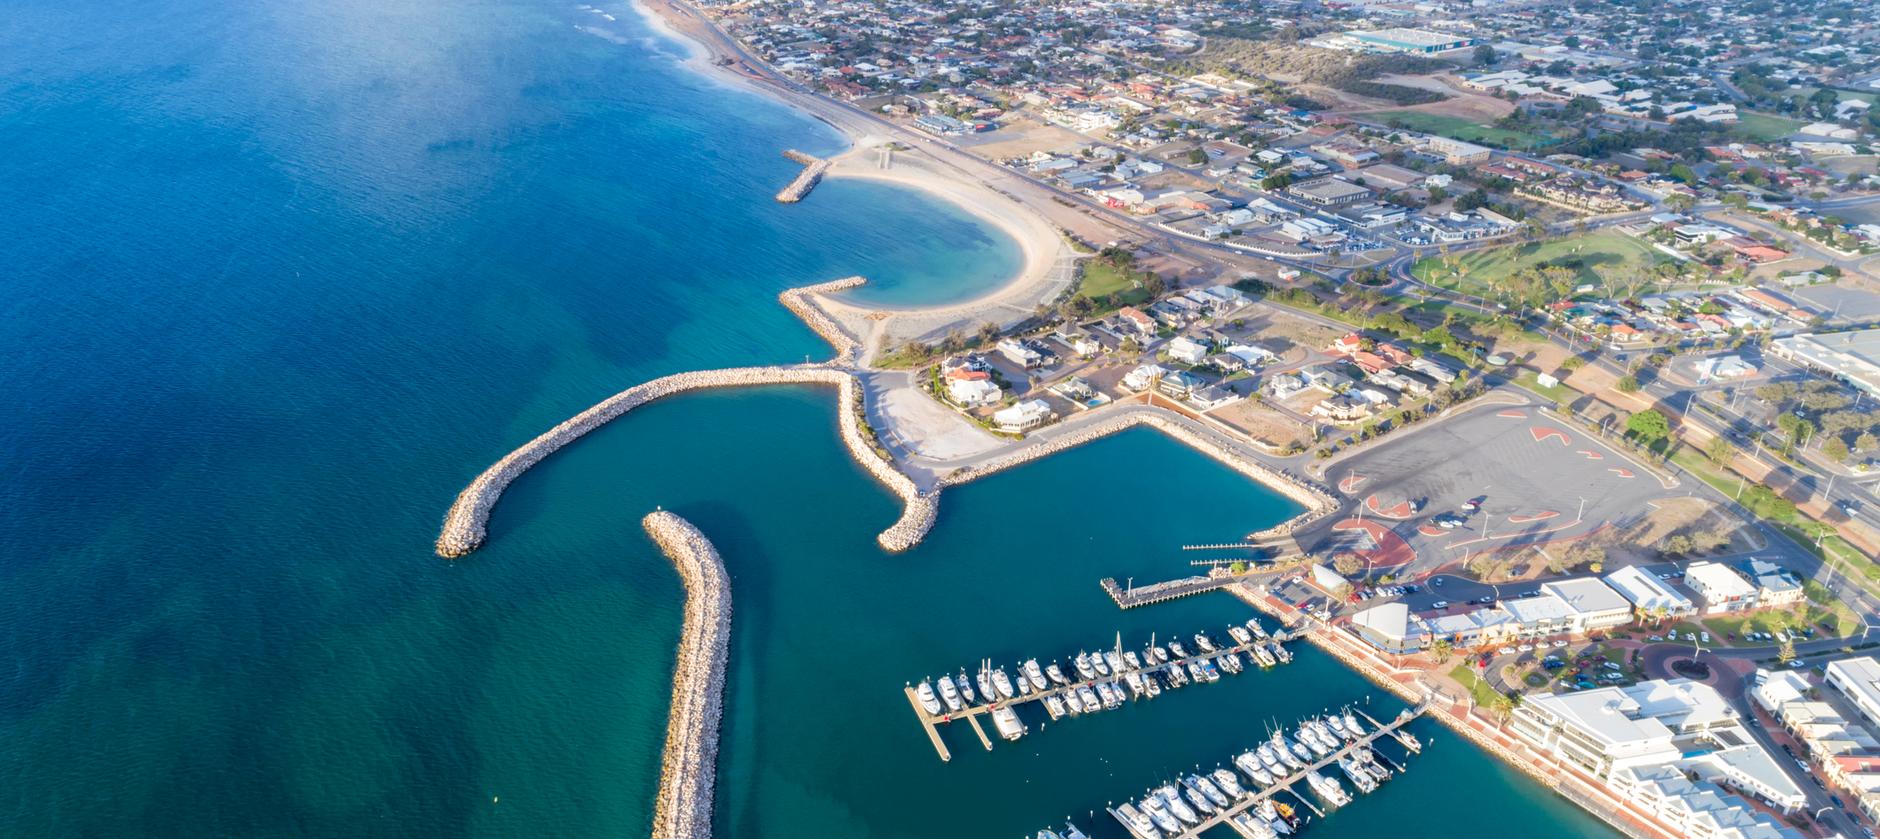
(1043,249)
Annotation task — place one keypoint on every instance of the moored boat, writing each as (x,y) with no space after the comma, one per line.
(1031,670)
(1002,682)
(1054,706)
(1057,674)
(949,694)
(1175,804)
(1157,810)
(1224,778)
(1205,643)
(1082,663)
(1137,822)
(925,694)
(966,688)
(1006,720)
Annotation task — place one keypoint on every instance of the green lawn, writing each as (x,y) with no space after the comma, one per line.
(1559,393)
(1483,692)
(1463,129)
(1102,278)
(1477,272)
(1763,128)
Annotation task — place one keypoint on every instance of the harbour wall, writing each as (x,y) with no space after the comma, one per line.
(1315,499)
(689,766)
(813,170)
(466,525)
(801,302)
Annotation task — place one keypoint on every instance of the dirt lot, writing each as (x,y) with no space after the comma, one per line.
(1671,516)
(1022,136)
(1264,424)
(1279,330)
(1461,103)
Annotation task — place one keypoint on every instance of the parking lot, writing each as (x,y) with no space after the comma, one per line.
(1496,477)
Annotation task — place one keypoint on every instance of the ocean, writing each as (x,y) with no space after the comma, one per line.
(281,278)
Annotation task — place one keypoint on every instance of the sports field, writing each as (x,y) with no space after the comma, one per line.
(1479,272)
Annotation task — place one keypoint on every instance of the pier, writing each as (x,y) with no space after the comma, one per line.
(971,713)
(813,170)
(1130,598)
(1226,814)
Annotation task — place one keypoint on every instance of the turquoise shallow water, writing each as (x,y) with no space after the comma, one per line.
(281,278)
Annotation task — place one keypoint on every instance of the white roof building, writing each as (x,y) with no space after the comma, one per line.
(1187,350)
(1859,679)
(1595,605)
(1648,594)
(1721,589)
(1024,416)
(1776,688)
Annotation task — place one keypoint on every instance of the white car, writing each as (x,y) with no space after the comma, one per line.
(1526,648)
(1560,643)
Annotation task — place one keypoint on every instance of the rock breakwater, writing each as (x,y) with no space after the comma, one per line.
(466,525)
(813,170)
(689,767)
(802,303)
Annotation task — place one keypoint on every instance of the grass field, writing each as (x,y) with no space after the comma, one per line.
(1103,278)
(1463,129)
(1763,128)
(1478,272)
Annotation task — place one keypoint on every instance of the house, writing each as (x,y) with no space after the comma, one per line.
(1134,320)
(1024,416)
(1020,353)
(1143,377)
(1720,589)
(1251,355)
(1775,586)
(1186,350)
(1180,384)
(1344,409)
(1079,343)
(1213,396)
(973,392)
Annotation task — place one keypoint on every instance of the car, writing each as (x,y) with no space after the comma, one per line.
(1797,664)
(1440,604)
(1656,638)
(1560,643)
(1690,636)
(1447,521)
(1782,636)
(1437,582)
(1526,648)
(1706,637)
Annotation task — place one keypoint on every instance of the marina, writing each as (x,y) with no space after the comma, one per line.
(1089,683)
(1335,741)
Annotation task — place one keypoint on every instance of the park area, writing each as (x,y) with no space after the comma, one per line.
(1461,128)
(1763,128)
(1595,257)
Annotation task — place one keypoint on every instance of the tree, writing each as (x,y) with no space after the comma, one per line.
(1678,544)
(1484,54)
(1442,649)
(1648,426)
(1720,450)
(1835,449)
(1347,564)
(1627,383)
(1866,442)
(1239,566)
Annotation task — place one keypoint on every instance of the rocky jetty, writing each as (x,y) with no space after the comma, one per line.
(466,525)
(813,170)
(802,303)
(689,767)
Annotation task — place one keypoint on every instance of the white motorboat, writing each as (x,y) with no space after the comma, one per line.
(1113,660)
(1269,757)
(949,694)
(1359,778)
(1410,741)
(1006,720)
(1254,827)
(1158,654)
(1198,801)
(1116,697)
(1089,697)
(1254,626)
(1194,671)
(1175,649)
(1072,702)
(1249,764)
(1084,669)
(1204,642)
(1278,816)
(1283,748)
(1206,787)
(1021,684)
(1337,725)
(1280,652)
(1134,680)
(966,688)
(1175,804)
(1176,678)
(1240,634)
(1352,725)
(1032,672)
(1102,667)
(1304,754)
(1137,822)
(985,685)
(1157,811)
(1071,832)
(1260,655)
(925,694)
(1225,779)
(1002,682)
(1130,659)
(1057,674)
(1327,789)
(1054,706)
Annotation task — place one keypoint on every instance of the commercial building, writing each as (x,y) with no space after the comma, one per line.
(1420,41)
(1859,680)
(1649,596)
(1594,604)
(1329,192)
(1720,588)
(1457,152)
(1853,357)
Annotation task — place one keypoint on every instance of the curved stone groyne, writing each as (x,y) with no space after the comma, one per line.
(466,525)
(689,767)
(801,302)
(813,169)
(1317,500)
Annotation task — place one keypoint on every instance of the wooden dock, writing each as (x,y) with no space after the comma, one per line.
(1226,815)
(931,722)
(1163,591)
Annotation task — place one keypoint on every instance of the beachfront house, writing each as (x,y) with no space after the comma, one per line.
(1186,350)
(1023,417)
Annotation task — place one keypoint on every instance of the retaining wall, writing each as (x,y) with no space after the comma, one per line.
(689,766)
(1316,499)
(466,525)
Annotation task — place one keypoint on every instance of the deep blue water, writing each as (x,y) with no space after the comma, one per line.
(281,277)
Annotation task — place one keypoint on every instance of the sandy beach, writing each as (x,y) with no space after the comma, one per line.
(1002,199)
